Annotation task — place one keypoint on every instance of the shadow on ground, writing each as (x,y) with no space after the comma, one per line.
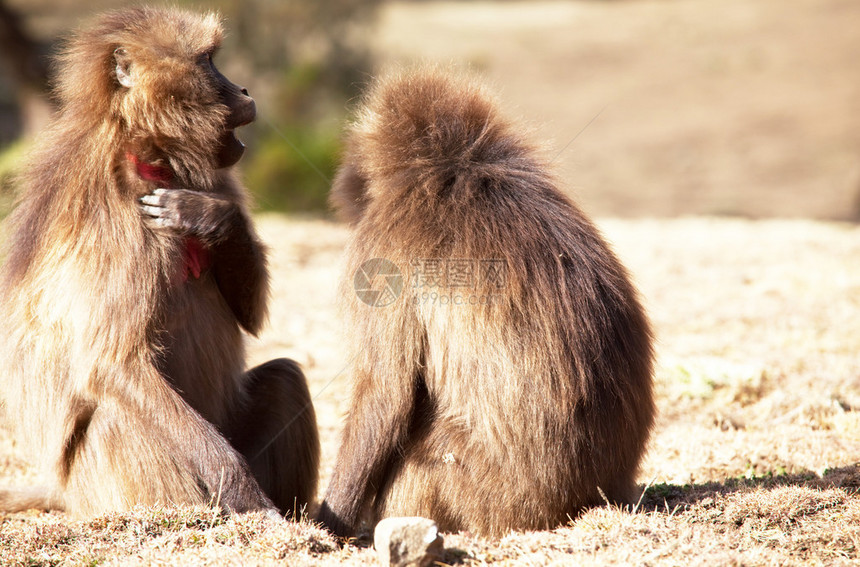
(671,497)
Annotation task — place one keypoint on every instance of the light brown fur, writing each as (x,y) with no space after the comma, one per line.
(123,361)
(516,406)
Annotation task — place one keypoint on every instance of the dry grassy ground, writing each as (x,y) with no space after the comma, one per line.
(712,106)
(754,459)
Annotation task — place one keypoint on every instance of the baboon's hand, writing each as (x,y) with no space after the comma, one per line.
(188,212)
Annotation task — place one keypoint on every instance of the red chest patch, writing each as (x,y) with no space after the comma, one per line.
(160,174)
(197,259)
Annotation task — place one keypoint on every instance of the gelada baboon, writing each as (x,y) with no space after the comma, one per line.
(132,269)
(510,383)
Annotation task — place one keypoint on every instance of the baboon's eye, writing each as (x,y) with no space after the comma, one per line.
(205,59)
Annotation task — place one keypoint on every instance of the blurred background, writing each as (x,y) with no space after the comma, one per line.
(647,108)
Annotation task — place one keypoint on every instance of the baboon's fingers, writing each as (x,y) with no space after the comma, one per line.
(160,217)
(151,211)
(161,209)
(153,205)
(187,211)
(156,198)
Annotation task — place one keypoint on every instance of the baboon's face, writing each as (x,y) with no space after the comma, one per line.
(172,91)
(241,110)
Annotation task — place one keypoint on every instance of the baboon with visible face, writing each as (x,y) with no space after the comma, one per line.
(132,269)
(510,383)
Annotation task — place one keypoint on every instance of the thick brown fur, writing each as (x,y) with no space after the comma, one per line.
(507,404)
(131,269)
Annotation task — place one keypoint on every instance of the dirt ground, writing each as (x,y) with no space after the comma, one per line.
(718,107)
(705,108)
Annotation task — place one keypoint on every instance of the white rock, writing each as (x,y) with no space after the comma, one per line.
(407,541)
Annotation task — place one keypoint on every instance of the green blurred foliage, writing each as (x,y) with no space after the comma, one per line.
(309,59)
(291,169)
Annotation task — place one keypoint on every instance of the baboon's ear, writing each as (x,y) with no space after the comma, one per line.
(123,67)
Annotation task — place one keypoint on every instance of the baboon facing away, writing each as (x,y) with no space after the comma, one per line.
(510,383)
(132,268)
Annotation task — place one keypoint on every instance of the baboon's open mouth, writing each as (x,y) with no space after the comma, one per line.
(231,149)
